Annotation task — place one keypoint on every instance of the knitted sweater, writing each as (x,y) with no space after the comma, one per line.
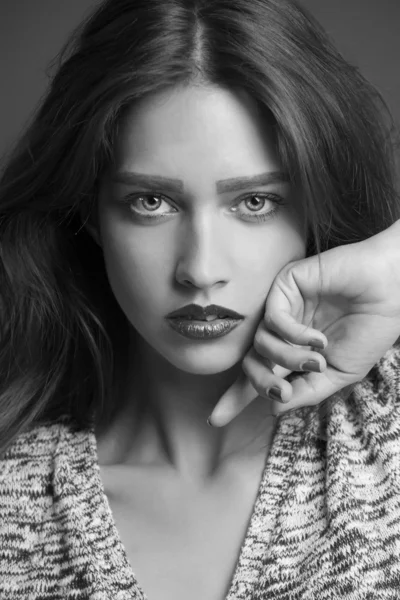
(325,524)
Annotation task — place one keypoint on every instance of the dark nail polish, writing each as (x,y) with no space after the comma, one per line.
(310,365)
(317,344)
(275,393)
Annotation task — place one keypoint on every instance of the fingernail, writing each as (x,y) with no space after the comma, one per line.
(275,393)
(317,344)
(209,422)
(310,365)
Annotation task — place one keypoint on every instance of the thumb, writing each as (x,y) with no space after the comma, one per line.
(233,401)
(240,394)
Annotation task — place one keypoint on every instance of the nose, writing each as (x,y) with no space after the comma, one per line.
(203,254)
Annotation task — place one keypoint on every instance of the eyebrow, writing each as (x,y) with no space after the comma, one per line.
(223,185)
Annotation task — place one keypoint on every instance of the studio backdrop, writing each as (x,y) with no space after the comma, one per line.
(33,31)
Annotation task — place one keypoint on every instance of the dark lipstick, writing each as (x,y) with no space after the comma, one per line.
(196,322)
(200,313)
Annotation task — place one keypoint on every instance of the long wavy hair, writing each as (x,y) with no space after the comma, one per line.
(63,343)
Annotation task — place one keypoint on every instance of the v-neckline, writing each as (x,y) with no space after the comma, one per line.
(272,489)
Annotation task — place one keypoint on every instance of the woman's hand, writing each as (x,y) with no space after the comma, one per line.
(354,310)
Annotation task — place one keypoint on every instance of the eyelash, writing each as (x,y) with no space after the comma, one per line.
(259,218)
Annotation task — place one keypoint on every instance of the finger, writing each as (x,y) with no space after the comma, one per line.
(269,345)
(310,389)
(244,391)
(263,375)
(286,326)
(235,399)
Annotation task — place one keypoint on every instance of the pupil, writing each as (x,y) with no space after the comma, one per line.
(254,204)
(153,202)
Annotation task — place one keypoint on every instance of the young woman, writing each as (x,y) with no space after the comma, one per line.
(186,152)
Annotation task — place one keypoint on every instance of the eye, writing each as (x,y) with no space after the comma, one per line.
(151,203)
(254,203)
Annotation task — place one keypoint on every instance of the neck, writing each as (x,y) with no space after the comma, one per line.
(164,420)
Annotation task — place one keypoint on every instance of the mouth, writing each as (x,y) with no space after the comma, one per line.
(209,319)
(207,314)
(203,329)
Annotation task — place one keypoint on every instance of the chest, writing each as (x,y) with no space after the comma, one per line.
(181,544)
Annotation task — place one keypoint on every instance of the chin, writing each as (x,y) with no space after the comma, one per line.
(193,356)
(204,360)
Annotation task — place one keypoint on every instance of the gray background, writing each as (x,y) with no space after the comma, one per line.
(33,31)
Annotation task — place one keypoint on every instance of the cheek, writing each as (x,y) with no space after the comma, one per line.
(136,270)
(263,258)
(267,252)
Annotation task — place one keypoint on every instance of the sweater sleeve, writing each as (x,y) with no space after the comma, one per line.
(337,531)
(362,493)
(371,424)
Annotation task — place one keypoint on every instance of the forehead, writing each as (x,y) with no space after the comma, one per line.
(217,120)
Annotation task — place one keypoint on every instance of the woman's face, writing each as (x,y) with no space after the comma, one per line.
(196,239)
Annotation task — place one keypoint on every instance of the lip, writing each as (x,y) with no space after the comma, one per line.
(200,313)
(202,329)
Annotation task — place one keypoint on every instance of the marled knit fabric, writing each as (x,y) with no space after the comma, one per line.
(325,524)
